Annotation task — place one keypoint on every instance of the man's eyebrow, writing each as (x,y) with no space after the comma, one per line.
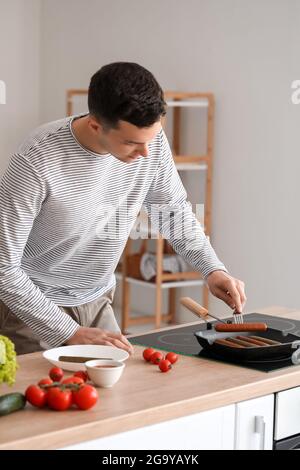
(133,142)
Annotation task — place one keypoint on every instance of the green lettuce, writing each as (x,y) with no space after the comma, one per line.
(8,361)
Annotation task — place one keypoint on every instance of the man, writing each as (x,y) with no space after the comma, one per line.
(68,201)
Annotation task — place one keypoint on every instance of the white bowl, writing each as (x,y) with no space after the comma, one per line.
(107,376)
(86,350)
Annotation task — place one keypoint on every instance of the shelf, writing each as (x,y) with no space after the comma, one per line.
(191,166)
(164,285)
(192,104)
(190,159)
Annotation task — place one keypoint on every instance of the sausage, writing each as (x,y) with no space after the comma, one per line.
(243,342)
(228,327)
(228,343)
(252,340)
(271,342)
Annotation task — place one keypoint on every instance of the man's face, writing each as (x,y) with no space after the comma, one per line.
(127,142)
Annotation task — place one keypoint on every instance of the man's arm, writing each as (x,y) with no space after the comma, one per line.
(171,215)
(22,192)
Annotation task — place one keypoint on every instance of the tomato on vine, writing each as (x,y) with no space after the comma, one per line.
(172,357)
(147,353)
(165,365)
(85,397)
(59,399)
(36,396)
(56,374)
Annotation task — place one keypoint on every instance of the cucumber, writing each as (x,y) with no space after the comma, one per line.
(11,402)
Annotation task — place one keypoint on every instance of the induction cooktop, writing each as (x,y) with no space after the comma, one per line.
(182,341)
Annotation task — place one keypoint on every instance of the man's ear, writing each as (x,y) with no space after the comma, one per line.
(95,125)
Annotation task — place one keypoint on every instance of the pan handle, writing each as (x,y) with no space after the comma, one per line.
(194,307)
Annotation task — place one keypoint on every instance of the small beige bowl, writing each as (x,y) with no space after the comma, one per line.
(104,372)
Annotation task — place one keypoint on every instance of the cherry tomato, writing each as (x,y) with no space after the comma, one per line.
(73,380)
(172,357)
(156,357)
(165,365)
(56,374)
(86,397)
(46,381)
(147,353)
(82,374)
(59,399)
(36,396)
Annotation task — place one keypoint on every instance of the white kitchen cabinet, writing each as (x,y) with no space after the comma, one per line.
(254,424)
(287,414)
(213,429)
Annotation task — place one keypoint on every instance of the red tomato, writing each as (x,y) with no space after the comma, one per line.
(156,357)
(147,353)
(73,380)
(56,374)
(59,399)
(82,374)
(45,381)
(36,396)
(172,357)
(165,365)
(86,397)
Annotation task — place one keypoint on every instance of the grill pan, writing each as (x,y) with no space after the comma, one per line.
(284,350)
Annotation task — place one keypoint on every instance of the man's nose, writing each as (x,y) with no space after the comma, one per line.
(144,150)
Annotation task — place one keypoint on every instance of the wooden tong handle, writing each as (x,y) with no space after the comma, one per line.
(194,307)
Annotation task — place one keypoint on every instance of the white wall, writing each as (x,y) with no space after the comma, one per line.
(247,53)
(19,69)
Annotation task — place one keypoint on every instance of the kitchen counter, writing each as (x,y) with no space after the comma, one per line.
(142,397)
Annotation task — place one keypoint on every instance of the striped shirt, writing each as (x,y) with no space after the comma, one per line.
(66,214)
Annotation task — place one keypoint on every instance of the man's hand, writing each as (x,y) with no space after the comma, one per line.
(86,335)
(227,288)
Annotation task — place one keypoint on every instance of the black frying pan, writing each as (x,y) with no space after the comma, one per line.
(207,339)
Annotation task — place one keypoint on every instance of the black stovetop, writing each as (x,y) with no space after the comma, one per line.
(183,341)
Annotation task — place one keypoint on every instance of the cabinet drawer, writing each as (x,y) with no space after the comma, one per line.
(287,413)
(254,424)
(208,430)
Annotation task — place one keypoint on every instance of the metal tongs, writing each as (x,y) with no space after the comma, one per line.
(222,326)
(238,318)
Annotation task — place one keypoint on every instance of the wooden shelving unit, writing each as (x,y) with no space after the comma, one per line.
(176,101)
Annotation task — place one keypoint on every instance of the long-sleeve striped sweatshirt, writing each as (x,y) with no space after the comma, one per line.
(65,216)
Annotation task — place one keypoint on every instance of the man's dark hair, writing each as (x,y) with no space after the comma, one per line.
(125,91)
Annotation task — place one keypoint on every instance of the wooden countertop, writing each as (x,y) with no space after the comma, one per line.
(143,396)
